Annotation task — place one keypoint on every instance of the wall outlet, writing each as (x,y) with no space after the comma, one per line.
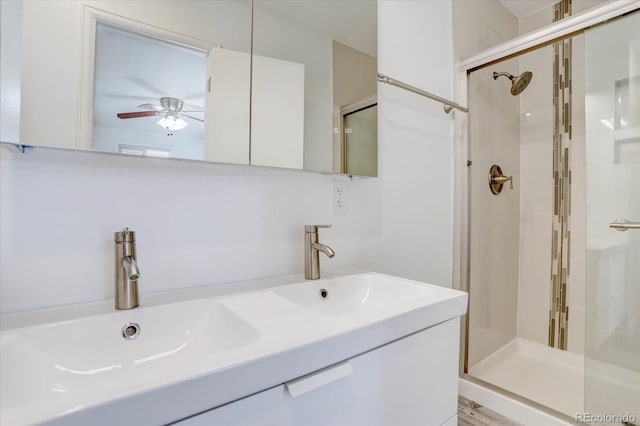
(340,196)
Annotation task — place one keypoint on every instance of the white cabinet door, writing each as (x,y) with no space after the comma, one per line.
(277,113)
(227,107)
(413,381)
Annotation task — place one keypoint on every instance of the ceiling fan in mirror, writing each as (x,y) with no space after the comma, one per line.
(172,117)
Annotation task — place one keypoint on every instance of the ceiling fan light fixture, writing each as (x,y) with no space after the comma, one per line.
(172,123)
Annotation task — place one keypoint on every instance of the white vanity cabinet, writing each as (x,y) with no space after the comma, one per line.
(411,381)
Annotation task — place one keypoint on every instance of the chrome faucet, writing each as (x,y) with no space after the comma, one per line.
(311,249)
(127,272)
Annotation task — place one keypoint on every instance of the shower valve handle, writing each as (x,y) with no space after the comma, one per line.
(497,179)
(502,180)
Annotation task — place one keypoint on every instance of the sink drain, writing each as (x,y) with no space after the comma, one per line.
(130,330)
(324,293)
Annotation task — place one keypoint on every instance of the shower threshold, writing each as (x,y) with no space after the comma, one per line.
(546,375)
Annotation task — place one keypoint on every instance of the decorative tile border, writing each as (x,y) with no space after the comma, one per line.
(561,231)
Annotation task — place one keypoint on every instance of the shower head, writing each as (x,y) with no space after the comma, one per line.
(518,82)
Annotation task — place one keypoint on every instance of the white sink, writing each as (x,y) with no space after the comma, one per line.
(193,355)
(354,295)
(80,361)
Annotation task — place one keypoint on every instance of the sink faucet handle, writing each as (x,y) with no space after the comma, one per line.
(314,228)
(124,236)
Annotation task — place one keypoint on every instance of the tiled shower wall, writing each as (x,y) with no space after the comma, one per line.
(536,196)
(494,222)
(494,132)
(514,301)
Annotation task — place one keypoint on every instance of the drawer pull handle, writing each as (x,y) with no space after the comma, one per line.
(319,378)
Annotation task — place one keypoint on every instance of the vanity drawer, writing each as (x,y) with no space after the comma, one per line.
(412,381)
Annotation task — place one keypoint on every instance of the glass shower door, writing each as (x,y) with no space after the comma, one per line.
(612,365)
(361,141)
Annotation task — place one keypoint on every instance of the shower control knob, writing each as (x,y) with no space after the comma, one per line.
(503,180)
(497,180)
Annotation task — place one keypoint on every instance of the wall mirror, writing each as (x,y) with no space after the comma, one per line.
(163,78)
(314,84)
(180,80)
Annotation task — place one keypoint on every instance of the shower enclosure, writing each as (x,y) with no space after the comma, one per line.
(554,256)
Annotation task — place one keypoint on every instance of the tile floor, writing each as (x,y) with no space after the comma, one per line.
(473,414)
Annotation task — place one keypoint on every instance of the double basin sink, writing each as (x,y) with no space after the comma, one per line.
(59,367)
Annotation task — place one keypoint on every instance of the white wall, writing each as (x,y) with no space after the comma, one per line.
(196,223)
(544,16)
(10,69)
(202,224)
(481,24)
(410,205)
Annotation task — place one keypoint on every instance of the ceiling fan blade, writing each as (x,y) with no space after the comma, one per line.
(194,110)
(150,106)
(192,117)
(123,115)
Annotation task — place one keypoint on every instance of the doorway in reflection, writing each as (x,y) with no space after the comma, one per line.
(149,95)
(360,141)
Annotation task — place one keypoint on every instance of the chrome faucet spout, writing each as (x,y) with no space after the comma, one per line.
(324,249)
(127,272)
(131,268)
(311,249)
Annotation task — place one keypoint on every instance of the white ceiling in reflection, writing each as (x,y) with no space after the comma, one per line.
(351,22)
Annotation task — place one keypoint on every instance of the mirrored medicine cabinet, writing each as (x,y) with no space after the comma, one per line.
(277,83)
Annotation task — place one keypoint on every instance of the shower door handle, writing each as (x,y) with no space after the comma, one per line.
(624,225)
